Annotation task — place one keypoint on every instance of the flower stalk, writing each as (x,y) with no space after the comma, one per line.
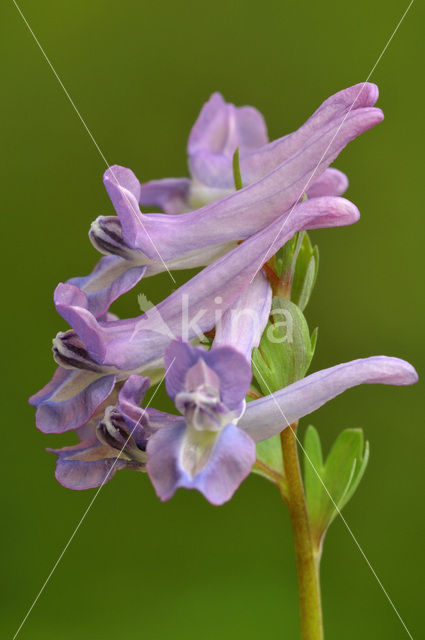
(307,556)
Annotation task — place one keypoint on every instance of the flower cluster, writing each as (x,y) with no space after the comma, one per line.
(250,240)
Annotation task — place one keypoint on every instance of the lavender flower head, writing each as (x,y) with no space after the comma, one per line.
(106,364)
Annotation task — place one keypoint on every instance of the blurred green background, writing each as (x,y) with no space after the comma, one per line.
(139,73)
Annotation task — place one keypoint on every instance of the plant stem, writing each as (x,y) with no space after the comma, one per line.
(308,559)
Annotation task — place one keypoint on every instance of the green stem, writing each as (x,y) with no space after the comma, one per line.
(308,559)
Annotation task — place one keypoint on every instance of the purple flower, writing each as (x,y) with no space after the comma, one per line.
(129,344)
(267,416)
(221,128)
(125,428)
(115,441)
(79,394)
(211,447)
(71,399)
(207,451)
(106,364)
(274,176)
(214,450)
(106,351)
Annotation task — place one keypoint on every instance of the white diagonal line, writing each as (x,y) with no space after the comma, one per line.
(74,106)
(336,506)
(304,189)
(89,507)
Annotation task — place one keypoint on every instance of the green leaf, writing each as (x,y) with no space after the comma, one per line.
(269,453)
(313,340)
(285,350)
(313,460)
(331,484)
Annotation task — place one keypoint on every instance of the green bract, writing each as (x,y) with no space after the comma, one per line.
(297,267)
(330,484)
(237,178)
(286,348)
(269,454)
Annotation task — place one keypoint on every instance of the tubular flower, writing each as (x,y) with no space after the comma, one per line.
(128,344)
(125,427)
(105,365)
(211,447)
(214,450)
(110,351)
(274,176)
(115,441)
(221,128)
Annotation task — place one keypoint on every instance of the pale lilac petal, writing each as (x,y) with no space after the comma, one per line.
(307,160)
(179,357)
(235,374)
(127,207)
(245,212)
(70,399)
(221,127)
(129,399)
(331,117)
(112,277)
(163,465)
(87,431)
(243,324)
(170,194)
(229,464)
(126,178)
(331,183)
(129,344)
(87,465)
(268,416)
(132,392)
(72,304)
(231,367)
(106,236)
(60,376)
(210,128)
(193,259)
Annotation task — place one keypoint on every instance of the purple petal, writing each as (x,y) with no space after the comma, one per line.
(87,465)
(332,116)
(106,236)
(230,463)
(221,127)
(70,399)
(231,367)
(331,183)
(193,259)
(234,372)
(170,195)
(268,416)
(72,304)
(112,277)
(129,344)
(243,324)
(130,397)
(179,357)
(133,391)
(124,177)
(244,212)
